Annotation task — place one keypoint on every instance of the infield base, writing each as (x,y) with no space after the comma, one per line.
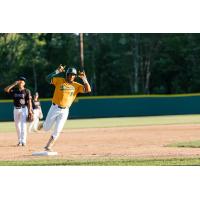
(45,153)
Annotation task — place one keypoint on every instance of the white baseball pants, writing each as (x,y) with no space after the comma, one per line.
(56,116)
(20,116)
(34,124)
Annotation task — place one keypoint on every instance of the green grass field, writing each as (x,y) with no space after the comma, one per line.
(132,162)
(190,144)
(116,122)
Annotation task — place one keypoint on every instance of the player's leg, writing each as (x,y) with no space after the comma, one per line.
(31,124)
(17,119)
(36,119)
(60,121)
(50,143)
(23,125)
(51,117)
(34,124)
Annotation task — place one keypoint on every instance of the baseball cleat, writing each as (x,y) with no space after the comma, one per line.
(19,144)
(47,149)
(23,144)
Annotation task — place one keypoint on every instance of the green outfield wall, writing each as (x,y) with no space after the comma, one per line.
(120,106)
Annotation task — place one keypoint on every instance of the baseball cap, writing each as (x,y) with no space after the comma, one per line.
(22,78)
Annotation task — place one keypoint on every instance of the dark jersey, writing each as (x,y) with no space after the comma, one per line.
(20,98)
(35,104)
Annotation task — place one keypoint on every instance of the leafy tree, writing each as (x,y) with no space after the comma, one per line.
(116,64)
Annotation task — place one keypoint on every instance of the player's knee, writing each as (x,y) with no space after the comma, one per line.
(46,126)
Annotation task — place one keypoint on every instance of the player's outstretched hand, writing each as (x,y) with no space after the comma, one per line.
(61,68)
(81,75)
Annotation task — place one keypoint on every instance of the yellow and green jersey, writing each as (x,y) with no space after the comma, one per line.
(65,93)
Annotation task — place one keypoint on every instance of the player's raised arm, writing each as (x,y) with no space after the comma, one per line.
(87,87)
(59,70)
(9,87)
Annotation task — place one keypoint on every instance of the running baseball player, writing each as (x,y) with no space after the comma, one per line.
(37,113)
(66,90)
(22,107)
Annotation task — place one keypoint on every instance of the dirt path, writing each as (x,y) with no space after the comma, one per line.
(95,143)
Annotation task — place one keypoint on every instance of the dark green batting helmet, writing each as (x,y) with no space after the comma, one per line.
(71,71)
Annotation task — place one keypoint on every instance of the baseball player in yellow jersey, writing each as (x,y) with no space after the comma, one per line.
(65,92)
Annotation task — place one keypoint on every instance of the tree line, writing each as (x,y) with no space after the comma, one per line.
(115,63)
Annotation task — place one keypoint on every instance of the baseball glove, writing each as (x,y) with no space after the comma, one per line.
(30,117)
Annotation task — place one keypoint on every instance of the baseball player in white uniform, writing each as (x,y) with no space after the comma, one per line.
(37,113)
(22,107)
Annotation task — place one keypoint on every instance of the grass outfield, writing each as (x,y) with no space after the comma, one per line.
(133,162)
(118,122)
(190,144)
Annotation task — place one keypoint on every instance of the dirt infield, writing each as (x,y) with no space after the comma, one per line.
(95,143)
